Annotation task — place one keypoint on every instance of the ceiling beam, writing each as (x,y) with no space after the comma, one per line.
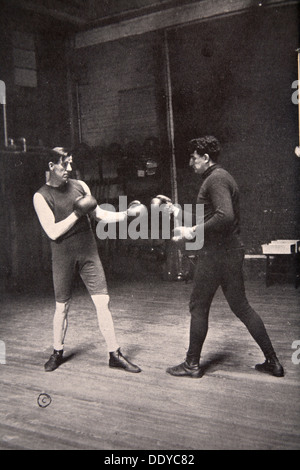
(170,18)
(56,13)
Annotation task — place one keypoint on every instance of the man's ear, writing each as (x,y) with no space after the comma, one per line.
(207,157)
(51,165)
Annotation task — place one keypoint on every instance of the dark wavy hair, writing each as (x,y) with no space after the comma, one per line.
(207,144)
(54,156)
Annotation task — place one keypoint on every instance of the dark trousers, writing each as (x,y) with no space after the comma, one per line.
(222,268)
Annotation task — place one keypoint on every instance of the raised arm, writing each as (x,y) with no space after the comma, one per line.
(108,216)
(53,229)
(101,214)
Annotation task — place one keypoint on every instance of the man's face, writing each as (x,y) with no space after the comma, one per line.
(60,171)
(198,162)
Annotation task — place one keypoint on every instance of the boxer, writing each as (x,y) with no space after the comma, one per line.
(220,260)
(64,207)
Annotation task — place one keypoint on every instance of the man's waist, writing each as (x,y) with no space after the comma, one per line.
(82,226)
(222,241)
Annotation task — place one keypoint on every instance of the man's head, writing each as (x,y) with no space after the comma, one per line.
(203,152)
(60,164)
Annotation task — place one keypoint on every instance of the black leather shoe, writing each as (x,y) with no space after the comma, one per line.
(186,370)
(117,360)
(54,361)
(271,366)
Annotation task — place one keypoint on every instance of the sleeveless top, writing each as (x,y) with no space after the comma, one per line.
(61,201)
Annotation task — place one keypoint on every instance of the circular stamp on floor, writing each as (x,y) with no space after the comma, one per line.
(44,400)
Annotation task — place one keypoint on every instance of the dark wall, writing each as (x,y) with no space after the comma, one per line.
(119,86)
(24,254)
(40,113)
(232,77)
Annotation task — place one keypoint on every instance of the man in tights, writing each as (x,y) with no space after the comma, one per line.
(220,261)
(73,246)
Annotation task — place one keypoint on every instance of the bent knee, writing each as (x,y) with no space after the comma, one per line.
(101,299)
(62,307)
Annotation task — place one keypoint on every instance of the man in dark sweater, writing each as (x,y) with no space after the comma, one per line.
(220,261)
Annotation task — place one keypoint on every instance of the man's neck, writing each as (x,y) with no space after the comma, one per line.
(209,170)
(56,184)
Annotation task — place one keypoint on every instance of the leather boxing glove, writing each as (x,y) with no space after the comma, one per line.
(136,208)
(167,203)
(161,199)
(84,205)
(180,233)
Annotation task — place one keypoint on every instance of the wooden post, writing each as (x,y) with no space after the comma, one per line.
(298,50)
(3,102)
(297,149)
(78,112)
(170,121)
(70,86)
(174,257)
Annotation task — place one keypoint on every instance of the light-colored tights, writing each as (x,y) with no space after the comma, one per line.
(105,322)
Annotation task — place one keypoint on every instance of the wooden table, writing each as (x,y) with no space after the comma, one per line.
(282,256)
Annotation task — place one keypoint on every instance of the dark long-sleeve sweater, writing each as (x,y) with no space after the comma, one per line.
(219,194)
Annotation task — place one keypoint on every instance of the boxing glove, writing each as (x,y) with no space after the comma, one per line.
(167,203)
(84,205)
(180,233)
(161,199)
(136,208)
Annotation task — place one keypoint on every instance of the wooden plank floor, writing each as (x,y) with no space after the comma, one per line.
(94,407)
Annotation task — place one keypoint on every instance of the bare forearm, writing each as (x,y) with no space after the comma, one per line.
(53,229)
(56,230)
(108,216)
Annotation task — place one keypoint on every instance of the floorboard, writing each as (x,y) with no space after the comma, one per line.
(94,407)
